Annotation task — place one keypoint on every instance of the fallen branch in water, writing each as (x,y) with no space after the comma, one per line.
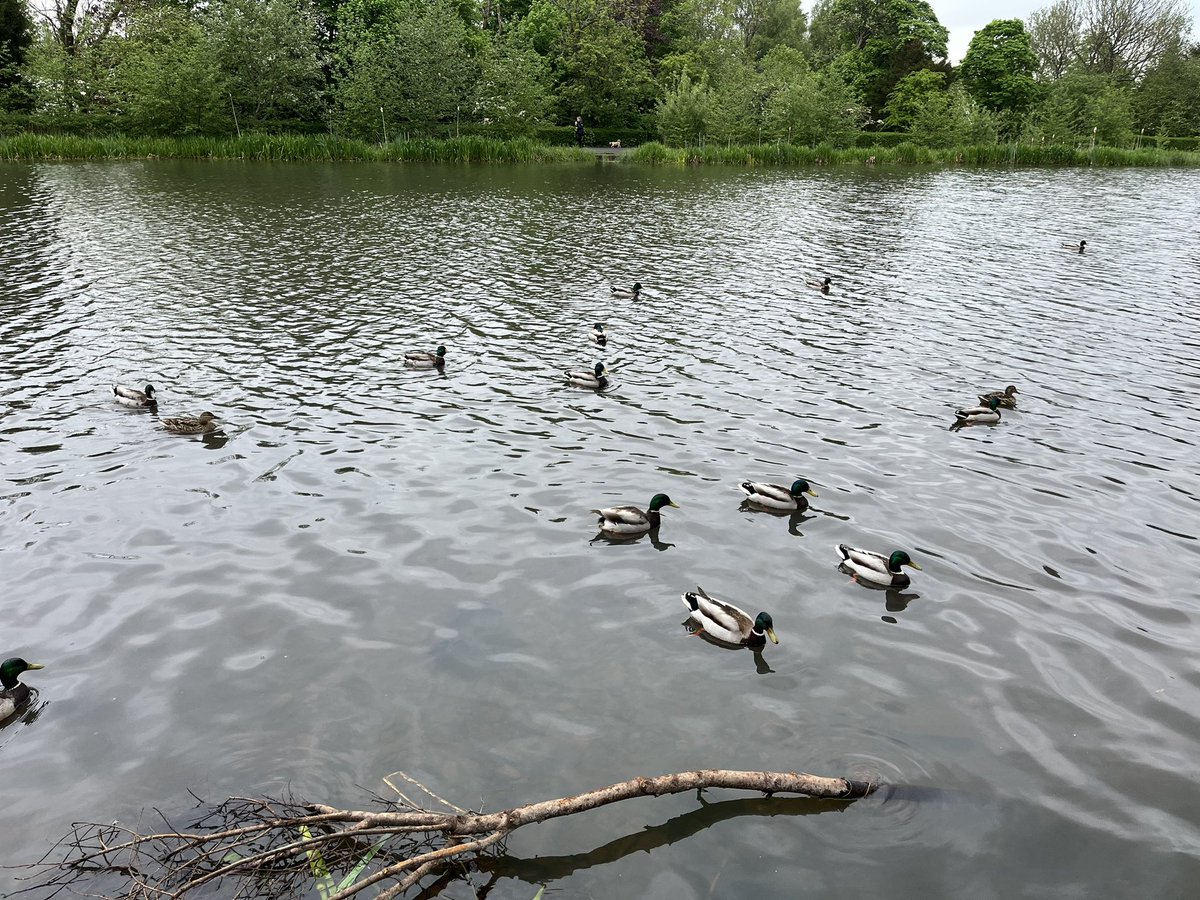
(279,849)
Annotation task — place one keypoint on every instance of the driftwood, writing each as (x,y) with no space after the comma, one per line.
(268,848)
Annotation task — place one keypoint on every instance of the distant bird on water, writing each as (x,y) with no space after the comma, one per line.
(598,334)
(776,496)
(988,414)
(130,396)
(423,359)
(1078,248)
(1006,398)
(875,567)
(597,379)
(629,294)
(822,286)
(630,519)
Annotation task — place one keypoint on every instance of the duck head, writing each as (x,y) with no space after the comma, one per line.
(764,623)
(658,501)
(800,486)
(900,558)
(13,667)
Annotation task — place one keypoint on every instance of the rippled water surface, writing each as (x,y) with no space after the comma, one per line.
(369,568)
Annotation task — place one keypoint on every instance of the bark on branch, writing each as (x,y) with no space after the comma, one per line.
(290,845)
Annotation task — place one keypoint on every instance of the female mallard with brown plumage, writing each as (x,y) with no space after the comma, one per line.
(201,424)
(1006,399)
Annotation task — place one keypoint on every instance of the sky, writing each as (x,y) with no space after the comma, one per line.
(964,17)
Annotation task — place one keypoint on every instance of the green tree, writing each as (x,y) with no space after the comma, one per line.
(404,67)
(998,68)
(167,76)
(683,114)
(1082,104)
(16,34)
(767,24)
(267,53)
(881,41)
(910,95)
(513,95)
(952,118)
(1167,101)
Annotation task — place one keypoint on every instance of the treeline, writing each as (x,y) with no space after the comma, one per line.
(690,72)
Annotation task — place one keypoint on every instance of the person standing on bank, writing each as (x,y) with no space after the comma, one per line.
(579,131)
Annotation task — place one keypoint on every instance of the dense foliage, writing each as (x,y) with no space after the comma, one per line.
(692,73)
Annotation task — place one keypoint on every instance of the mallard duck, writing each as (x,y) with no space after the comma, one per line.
(1006,398)
(627,294)
(128,396)
(979,415)
(1078,248)
(597,379)
(822,286)
(776,496)
(728,623)
(201,424)
(630,519)
(14,695)
(877,568)
(423,359)
(598,334)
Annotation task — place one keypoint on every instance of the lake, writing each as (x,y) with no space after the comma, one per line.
(370,568)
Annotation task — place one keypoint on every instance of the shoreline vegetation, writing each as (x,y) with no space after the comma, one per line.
(31,147)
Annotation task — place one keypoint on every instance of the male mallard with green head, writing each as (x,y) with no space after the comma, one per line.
(877,568)
(630,519)
(132,397)
(423,359)
(728,623)
(597,379)
(14,694)
(776,496)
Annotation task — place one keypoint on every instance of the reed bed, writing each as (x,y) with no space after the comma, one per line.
(285,148)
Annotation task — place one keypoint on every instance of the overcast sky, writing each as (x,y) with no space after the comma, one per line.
(965,17)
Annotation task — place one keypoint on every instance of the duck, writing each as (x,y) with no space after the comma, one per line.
(14,695)
(776,496)
(130,396)
(987,414)
(598,334)
(1078,248)
(201,424)
(423,359)
(877,568)
(728,623)
(822,286)
(630,519)
(597,379)
(1006,398)
(629,294)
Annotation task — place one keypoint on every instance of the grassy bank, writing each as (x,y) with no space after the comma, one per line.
(908,154)
(473,149)
(285,148)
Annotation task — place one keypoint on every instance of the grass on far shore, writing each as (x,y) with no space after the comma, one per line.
(474,149)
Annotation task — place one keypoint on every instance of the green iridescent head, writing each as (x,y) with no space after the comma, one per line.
(900,558)
(441,351)
(764,623)
(800,486)
(11,668)
(658,501)
(599,370)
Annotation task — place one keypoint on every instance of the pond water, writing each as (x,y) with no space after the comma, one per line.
(369,568)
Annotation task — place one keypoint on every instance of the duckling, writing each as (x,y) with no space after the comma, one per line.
(423,359)
(624,294)
(1078,248)
(14,694)
(630,519)
(129,396)
(1006,397)
(201,424)
(822,286)
(597,379)
(598,334)
(979,415)
(776,496)
(728,623)
(877,568)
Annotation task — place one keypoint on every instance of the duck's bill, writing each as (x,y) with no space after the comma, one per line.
(811,492)
(771,635)
(673,505)
(36,666)
(914,565)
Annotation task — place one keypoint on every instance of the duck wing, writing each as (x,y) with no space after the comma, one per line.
(865,558)
(718,615)
(767,491)
(626,515)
